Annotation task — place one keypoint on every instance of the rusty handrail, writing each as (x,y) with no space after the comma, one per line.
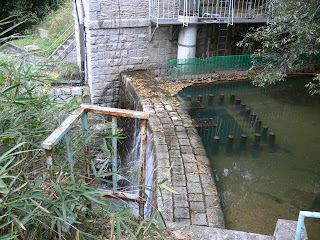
(82,112)
(59,132)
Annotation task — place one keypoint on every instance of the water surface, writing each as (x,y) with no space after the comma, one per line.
(261,183)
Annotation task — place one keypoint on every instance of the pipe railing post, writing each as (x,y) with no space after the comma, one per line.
(84,124)
(50,163)
(302,215)
(69,154)
(115,152)
(143,157)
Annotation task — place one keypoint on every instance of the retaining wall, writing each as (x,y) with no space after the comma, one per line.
(179,154)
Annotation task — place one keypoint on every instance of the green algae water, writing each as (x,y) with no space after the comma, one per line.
(274,171)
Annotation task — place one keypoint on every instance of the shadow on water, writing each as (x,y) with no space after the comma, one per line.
(263,149)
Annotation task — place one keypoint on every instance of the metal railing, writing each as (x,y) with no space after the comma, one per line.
(217,10)
(82,112)
(300,224)
(55,41)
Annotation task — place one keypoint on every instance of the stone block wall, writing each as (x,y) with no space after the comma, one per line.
(117,40)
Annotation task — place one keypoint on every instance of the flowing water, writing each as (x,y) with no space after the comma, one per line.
(262,182)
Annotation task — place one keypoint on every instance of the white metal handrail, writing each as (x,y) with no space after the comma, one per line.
(223,10)
(55,40)
(300,224)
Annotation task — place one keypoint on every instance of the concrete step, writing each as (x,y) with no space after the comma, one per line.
(208,233)
(286,230)
(62,51)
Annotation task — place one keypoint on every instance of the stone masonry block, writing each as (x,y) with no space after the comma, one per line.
(176,161)
(212,202)
(181,212)
(180,200)
(94,7)
(174,153)
(197,207)
(181,190)
(186,149)
(194,187)
(188,158)
(199,219)
(192,177)
(179,180)
(178,169)
(191,167)
(195,197)
(184,142)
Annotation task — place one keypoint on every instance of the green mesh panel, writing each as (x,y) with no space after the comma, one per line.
(223,63)
(218,63)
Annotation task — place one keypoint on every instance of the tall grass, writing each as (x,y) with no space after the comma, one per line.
(36,203)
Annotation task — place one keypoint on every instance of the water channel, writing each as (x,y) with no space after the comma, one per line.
(274,171)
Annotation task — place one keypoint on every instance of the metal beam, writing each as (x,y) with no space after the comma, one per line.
(116,112)
(60,131)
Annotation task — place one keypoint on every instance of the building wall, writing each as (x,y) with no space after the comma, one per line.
(118,41)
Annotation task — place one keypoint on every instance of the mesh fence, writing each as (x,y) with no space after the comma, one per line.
(182,68)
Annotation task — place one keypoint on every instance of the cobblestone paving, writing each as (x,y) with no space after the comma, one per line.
(180,157)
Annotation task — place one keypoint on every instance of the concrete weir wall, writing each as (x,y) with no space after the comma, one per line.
(176,143)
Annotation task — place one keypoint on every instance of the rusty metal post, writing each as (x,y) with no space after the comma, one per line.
(69,154)
(115,152)
(50,162)
(143,158)
(84,124)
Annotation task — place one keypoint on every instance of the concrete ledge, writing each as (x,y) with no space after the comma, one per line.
(286,230)
(183,231)
(116,23)
(14,48)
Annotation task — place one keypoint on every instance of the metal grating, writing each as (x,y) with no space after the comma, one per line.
(196,105)
(204,122)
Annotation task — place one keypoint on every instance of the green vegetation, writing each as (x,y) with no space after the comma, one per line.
(292,35)
(28,11)
(39,204)
(68,71)
(56,23)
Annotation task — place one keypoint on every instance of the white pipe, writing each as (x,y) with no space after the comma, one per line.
(187,37)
